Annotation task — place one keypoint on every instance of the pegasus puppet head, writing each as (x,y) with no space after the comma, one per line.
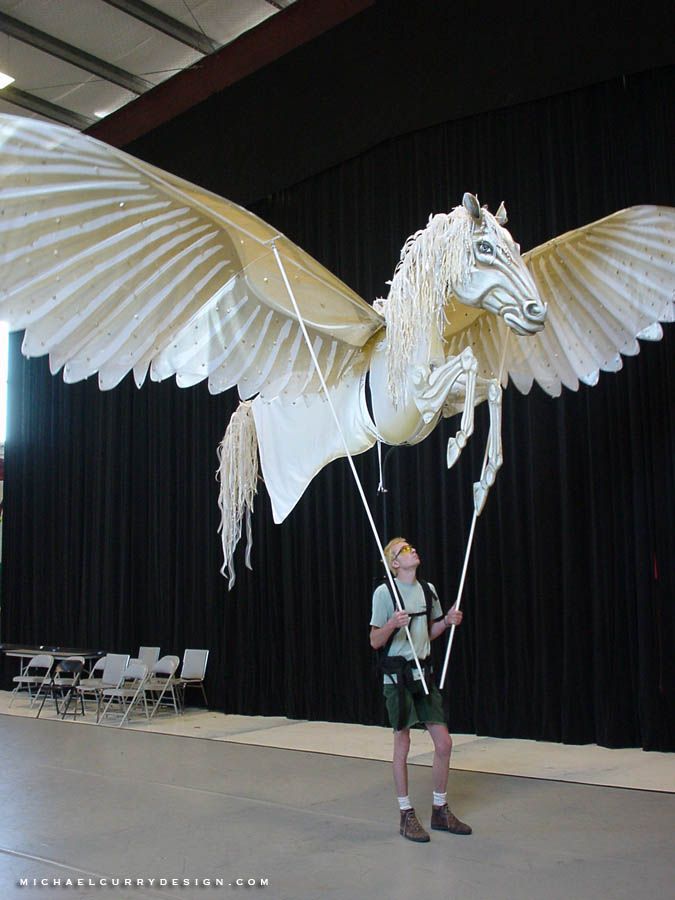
(465,257)
(490,273)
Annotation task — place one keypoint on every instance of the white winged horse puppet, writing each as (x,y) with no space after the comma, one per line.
(112,265)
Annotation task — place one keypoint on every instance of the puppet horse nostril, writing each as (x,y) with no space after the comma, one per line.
(535,310)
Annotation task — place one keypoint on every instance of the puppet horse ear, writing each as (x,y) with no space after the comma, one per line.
(472,206)
(500,215)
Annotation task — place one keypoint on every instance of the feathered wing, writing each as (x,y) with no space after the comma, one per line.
(606,284)
(112,265)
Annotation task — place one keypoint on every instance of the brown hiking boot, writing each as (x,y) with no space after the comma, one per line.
(411,828)
(442,819)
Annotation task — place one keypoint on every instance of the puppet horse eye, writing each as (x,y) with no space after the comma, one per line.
(485,247)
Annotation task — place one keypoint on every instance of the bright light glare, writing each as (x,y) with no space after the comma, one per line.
(4,348)
(5,80)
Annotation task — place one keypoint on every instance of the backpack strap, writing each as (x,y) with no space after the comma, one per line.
(384,650)
(429,598)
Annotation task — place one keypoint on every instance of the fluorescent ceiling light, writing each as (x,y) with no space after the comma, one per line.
(5,80)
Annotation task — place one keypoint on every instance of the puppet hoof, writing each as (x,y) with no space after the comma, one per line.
(480,493)
(453,452)
(455,446)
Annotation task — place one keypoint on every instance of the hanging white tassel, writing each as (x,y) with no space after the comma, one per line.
(238,477)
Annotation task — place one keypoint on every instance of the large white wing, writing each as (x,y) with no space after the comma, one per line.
(606,284)
(112,265)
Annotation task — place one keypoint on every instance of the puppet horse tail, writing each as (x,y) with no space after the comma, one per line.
(238,477)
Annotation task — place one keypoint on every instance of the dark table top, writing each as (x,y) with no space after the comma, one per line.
(34,649)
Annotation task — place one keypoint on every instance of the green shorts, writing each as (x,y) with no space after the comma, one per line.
(418,707)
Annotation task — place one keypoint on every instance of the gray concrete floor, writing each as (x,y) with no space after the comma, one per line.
(91,803)
(586,764)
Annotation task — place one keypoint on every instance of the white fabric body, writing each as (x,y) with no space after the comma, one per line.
(296,440)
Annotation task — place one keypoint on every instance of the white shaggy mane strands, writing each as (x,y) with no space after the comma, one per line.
(432,262)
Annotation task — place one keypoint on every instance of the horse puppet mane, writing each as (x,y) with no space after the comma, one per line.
(433,262)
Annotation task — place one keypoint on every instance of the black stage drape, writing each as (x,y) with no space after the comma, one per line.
(394,69)
(110,499)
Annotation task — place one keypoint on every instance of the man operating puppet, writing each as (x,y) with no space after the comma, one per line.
(407,704)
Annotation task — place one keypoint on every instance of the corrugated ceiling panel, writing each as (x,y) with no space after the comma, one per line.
(107,33)
(38,73)
(116,38)
(219,20)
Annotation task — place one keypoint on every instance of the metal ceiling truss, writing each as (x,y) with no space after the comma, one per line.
(93,64)
(166,24)
(54,47)
(45,108)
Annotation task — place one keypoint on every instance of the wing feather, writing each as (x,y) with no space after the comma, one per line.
(112,265)
(607,286)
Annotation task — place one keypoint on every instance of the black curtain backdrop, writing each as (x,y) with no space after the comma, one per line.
(110,499)
(394,69)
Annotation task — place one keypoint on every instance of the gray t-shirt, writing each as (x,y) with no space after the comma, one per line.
(412,596)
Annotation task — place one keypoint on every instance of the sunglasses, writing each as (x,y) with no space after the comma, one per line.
(406,548)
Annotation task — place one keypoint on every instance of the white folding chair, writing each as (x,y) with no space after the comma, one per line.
(33,675)
(128,693)
(96,671)
(162,680)
(107,673)
(192,673)
(149,656)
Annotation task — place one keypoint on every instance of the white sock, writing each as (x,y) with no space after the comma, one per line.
(404,803)
(440,799)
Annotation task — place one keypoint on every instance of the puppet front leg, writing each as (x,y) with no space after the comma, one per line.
(433,385)
(457,443)
(493,454)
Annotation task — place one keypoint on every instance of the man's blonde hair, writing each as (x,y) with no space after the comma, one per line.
(389,550)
